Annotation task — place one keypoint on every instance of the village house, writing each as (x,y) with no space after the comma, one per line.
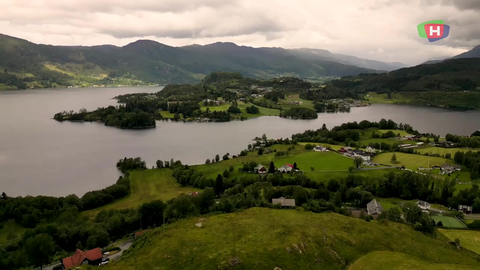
(91,257)
(260,169)
(374,208)
(465,209)
(284,202)
(425,206)
(345,149)
(449,168)
(370,150)
(286,168)
(320,149)
(362,154)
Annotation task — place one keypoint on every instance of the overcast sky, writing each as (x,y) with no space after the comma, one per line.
(382,30)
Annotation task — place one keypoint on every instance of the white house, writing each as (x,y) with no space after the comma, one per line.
(374,208)
(285,169)
(370,150)
(423,205)
(320,149)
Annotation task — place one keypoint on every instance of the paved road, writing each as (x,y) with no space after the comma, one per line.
(123,246)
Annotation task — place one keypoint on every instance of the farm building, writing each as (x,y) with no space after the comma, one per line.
(284,202)
(374,208)
(286,168)
(465,209)
(423,205)
(370,150)
(450,168)
(91,257)
(320,149)
(260,169)
(137,234)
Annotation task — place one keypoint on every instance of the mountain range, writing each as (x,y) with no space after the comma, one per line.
(473,53)
(27,65)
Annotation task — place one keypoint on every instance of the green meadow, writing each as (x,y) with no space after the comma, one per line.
(146,186)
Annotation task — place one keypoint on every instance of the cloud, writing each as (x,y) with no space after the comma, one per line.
(464,4)
(382,30)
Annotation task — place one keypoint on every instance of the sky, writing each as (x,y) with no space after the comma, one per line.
(383,30)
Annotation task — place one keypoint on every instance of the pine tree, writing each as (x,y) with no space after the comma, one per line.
(271,169)
(394,158)
(218,185)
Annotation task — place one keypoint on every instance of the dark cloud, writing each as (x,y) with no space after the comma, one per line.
(464,4)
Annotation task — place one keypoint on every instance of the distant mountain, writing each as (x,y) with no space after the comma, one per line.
(473,53)
(24,64)
(347,59)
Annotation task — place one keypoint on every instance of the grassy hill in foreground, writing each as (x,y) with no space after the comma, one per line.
(260,238)
(381,260)
(468,239)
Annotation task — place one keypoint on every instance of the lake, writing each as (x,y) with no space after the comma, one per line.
(40,156)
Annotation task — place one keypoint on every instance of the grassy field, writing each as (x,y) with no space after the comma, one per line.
(449,222)
(14,228)
(383,98)
(324,176)
(410,161)
(468,239)
(284,103)
(263,111)
(443,151)
(261,238)
(167,114)
(396,131)
(382,260)
(319,161)
(326,165)
(146,186)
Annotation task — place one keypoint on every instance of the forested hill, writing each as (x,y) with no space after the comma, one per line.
(27,65)
(452,83)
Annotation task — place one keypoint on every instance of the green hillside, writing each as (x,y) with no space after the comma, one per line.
(452,83)
(381,260)
(260,238)
(27,65)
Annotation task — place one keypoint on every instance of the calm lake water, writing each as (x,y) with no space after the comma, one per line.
(40,156)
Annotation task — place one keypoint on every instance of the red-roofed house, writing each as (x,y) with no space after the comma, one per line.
(289,165)
(137,234)
(92,257)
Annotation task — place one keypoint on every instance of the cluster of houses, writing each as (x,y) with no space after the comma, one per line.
(260,169)
(354,153)
(212,101)
(257,95)
(445,144)
(411,137)
(296,103)
(449,168)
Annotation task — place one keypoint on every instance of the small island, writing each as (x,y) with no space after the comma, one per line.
(220,97)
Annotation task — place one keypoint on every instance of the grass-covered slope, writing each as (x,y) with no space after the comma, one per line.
(382,260)
(468,239)
(146,186)
(260,238)
(410,161)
